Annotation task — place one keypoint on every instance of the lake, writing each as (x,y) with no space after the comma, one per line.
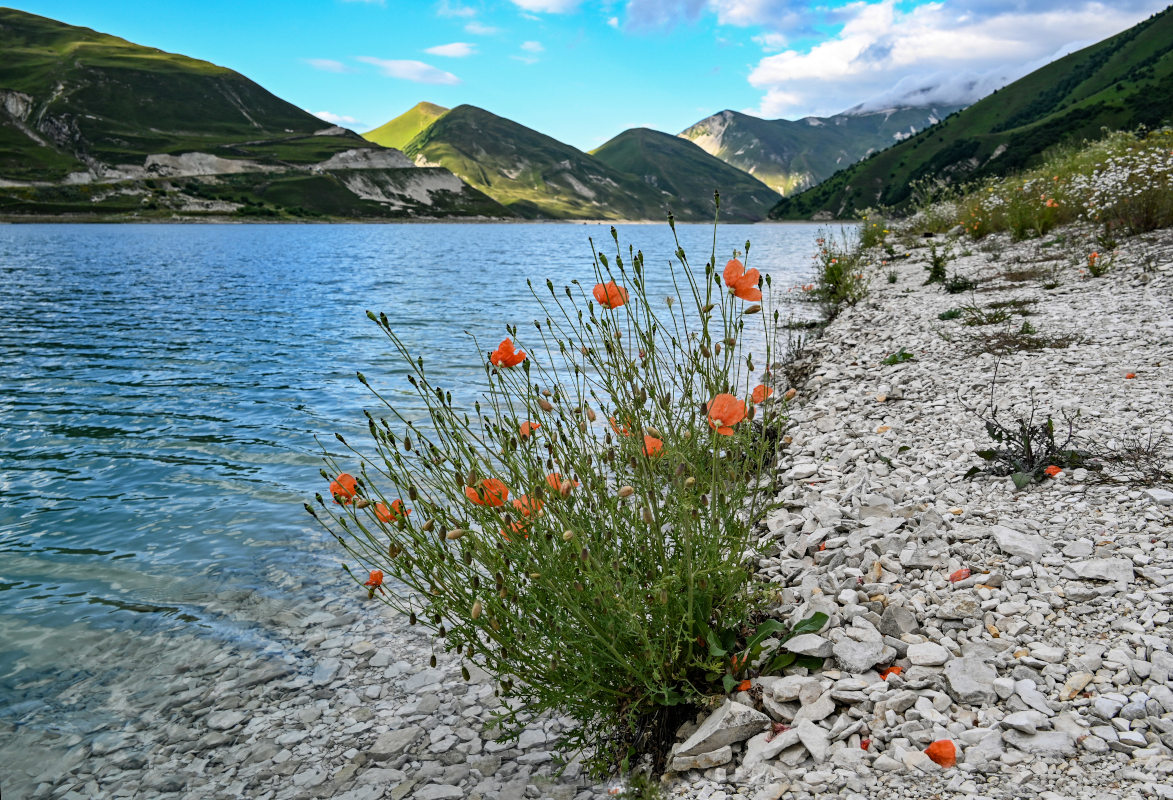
(160,394)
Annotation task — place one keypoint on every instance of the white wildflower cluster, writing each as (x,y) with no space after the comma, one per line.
(1136,181)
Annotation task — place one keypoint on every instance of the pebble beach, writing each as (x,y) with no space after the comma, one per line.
(1031,628)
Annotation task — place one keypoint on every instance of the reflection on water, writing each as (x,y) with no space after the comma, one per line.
(162,385)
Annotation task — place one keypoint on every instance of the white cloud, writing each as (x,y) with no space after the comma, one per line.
(525,59)
(478,29)
(532,47)
(447,9)
(326,64)
(613,22)
(547,6)
(336,119)
(936,53)
(453,50)
(770,41)
(408,70)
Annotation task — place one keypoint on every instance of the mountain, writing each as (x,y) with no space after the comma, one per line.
(791,155)
(686,176)
(401,130)
(531,174)
(1120,83)
(90,123)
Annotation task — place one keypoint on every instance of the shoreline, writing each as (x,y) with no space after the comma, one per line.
(116,220)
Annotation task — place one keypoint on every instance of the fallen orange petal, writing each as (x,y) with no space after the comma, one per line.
(960,575)
(884,673)
(943,752)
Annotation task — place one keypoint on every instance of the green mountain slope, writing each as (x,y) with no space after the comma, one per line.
(401,130)
(90,123)
(530,173)
(791,155)
(1119,83)
(686,176)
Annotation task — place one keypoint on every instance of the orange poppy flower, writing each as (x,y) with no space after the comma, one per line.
(528,506)
(1130,376)
(944,752)
(344,488)
(652,446)
(725,411)
(555,482)
(761,392)
(744,686)
(505,356)
(1052,471)
(374,582)
(396,511)
(622,430)
(526,428)
(960,575)
(491,492)
(864,744)
(744,284)
(610,295)
(884,673)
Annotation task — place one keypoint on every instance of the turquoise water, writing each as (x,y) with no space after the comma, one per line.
(161,387)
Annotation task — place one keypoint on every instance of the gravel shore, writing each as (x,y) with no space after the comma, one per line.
(1049,667)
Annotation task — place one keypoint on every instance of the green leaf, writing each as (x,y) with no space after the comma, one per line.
(903,448)
(810,662)
(765,630)
(779,663)
(1021,480)
(715,648)
(971,472)
(988,455)
(729,682)
(812,624)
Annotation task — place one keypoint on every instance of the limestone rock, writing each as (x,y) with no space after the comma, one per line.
(731,723)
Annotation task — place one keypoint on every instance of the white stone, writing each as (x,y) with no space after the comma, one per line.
(927,654)
(731,723)
(1029,546)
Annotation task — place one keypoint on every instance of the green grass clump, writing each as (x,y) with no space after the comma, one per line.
(840,272)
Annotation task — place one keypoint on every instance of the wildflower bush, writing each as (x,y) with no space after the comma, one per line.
(841,272)
(582,533)
(1123,182)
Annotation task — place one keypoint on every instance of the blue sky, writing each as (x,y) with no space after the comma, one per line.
(584,71)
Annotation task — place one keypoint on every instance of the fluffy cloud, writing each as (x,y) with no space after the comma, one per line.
(938,53)
(454,50)
(532,47)
(478,29)
(327,64)
(407,70)
(336,119)
(547,6)
(447,9)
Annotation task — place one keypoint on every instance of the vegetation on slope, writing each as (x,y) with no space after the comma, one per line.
(401,130)
(686,176)
(530,173)
(1119,83)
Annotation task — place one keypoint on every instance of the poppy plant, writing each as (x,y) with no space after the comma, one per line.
(395,512)
(555,482)
(743,283)
(761,392)
(622,430)
(505,355)
(526,428)
(610,294)
(725,411)
(490,492)
(528,506)
(344,488)
(652,446)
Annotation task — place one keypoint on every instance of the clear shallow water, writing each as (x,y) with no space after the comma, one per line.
(161,386)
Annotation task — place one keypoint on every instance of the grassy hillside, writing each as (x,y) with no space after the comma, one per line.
(686,176)
(530,173)
(401,130)
(1119,83)
(791,155)
(96,100)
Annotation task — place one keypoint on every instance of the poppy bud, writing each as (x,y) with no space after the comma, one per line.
(567,536)
(432,661)
(706,352)
(464,673)
(429,525)
(406,443)
(533,576)
(717,348)
(565,488)
(476,610)
(502,594)
(689,482)
(455,533)
(591,415)
(411,619)
(651,431)
(361,503)
(625,491)
(412,493)
(707,308)
(755,308)
(582,426)
(731,341)
(585,554)
(545,405)
(649,518)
